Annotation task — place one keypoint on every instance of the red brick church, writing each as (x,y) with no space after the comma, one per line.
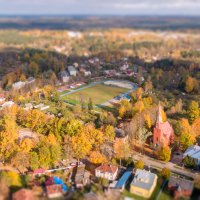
(163,133)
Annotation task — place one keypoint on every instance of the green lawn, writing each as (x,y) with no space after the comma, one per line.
(99,94)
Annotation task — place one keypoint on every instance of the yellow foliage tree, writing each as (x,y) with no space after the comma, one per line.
(25,145)
(97,158)
(148,121)
(81,146)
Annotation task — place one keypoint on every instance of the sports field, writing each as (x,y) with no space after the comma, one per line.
(99,94)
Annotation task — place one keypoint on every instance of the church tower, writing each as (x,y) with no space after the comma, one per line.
(163,132)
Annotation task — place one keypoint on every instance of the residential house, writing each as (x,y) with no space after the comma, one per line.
(72,71)
(79,176)
(64,76)
(124,67)
(87,73)
(144,183)
(107,171)
(180,188)
(24,194)
(54,191)
(163,133)
(7,104)
(193,152)
(18,85)
(55,187)
(28,106)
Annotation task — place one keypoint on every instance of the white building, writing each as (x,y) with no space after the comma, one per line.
(7,104)
(107,171)
(18,85)
(72,71)
(87,73)
(193,152)
(64,76)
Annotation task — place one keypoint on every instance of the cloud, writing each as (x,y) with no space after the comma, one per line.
(131,7)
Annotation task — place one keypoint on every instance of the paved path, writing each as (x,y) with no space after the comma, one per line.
(159,165)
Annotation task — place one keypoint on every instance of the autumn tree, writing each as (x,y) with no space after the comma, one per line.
(139,164)
(141,136)
(148,122)
(94,136)
(164,153)
(189,162)
(187,136)
(121,149)
(165,173)
(97,158)
(193,111)
(8,137)
(191,84)
(80,145)
(148,86)
(109,133)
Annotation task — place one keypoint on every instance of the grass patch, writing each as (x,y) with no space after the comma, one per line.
(99,94)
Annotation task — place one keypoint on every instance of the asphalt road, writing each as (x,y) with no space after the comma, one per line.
(153,163)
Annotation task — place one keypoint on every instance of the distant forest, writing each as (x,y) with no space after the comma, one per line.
(87,22)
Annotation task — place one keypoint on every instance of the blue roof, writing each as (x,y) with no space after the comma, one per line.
(59,181)
(123,179)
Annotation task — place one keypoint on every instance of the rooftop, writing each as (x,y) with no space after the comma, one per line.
(107,168)
(143,179)
(193,151)
(181,183)
(123,179)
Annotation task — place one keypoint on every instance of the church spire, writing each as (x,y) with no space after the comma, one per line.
(159,113)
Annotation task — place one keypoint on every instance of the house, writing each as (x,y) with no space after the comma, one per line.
(24,194)
(193,152)
(163,133)
(54,191)
(123,180)
(144,183)
(124,67)
(87,73)
(18,85)
(72,71)
(107,171)
(180,187)
(7,104)
(28,106)
(55,187)
(64,76)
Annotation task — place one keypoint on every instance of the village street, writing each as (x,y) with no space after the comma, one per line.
(153,163)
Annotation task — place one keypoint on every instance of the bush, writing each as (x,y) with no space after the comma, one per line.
(139,164)
(165,173)
(164,153)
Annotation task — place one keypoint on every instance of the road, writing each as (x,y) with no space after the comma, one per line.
(160,164)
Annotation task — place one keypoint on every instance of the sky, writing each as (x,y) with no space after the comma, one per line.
(99,7)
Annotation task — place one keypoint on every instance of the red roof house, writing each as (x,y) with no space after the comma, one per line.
(106,171)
